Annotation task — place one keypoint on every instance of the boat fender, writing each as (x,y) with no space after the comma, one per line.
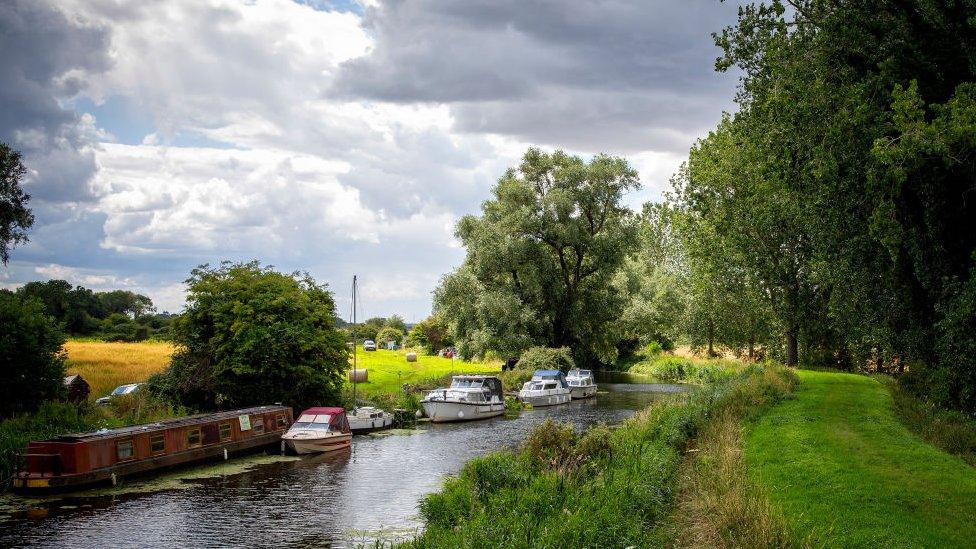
(114,480)
(225,454)
(460,413)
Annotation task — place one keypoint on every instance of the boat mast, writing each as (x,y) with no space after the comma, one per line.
(355,371)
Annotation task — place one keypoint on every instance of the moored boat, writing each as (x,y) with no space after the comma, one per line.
(321,429)
(468,398)
(367,418)
(78,460)
(547,388)
(581,383)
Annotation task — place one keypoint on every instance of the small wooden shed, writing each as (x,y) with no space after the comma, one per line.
(77,388)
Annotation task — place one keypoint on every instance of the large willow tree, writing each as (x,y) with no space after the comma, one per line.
(541,258)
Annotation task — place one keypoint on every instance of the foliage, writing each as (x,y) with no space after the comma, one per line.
(31,360)
(15,216)
(389,333)
(541,258)
(840,184)
(949,430)
(430,335)
(674,369)
(546,358)
(118,315)
(841,467)
(250,335)
(547,494)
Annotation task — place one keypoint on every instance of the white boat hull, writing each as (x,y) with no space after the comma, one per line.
(307,444)
(364,425)
(545,400)
(445,411)
(583,392)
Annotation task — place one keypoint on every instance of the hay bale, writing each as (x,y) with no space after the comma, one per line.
(411,357)
(359,376)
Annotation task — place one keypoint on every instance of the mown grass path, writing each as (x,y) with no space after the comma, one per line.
(846,473)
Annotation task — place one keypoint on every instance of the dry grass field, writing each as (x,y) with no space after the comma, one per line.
(106,365)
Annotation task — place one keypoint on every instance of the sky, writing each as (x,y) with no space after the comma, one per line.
(332,137)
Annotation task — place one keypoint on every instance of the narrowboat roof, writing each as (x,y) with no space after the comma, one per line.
(164,424)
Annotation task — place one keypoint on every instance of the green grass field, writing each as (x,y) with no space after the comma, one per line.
(389,370)
(846,473)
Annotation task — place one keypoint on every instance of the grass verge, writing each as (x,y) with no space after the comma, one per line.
(666,368)
(842,468)
(599,488)
(949,430)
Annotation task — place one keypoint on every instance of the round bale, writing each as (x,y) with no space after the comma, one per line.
(411,357)
(359,376)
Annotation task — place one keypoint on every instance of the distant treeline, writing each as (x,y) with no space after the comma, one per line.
(117,315)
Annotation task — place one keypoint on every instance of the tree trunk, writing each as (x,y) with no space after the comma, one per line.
(752,348)
(791,349)
(711,338)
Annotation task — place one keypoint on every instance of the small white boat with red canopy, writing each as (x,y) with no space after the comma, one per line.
(322,429)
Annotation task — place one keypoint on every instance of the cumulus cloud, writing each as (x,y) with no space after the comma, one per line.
(46,58)
(620,76)
(163,135)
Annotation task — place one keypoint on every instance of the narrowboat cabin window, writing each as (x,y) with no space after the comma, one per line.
(157,444)
(281,421)
(257,425)
(123,449)
(225,432)
(193,438)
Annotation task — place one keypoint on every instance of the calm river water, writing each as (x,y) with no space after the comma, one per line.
(340,500)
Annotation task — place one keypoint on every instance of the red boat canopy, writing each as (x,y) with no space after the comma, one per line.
(337,416)
(331,410)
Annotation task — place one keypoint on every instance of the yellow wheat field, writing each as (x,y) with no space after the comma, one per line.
(106,365)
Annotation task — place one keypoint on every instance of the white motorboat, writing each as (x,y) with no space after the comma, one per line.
(319,430)
(468,398)
(581,384)
(367,418)
(547,388)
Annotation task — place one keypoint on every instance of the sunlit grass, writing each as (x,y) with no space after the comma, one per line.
(106,365)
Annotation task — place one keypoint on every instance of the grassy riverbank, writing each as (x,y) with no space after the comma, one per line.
(389,371)
(845,472)
(673,368)
(602,488)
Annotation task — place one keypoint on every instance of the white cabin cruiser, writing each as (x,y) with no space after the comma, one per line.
(319,430)
(581,384)
(367,418)
(468,398)
(547,388)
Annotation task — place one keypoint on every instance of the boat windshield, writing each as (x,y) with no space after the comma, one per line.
(466,384)
(312,421)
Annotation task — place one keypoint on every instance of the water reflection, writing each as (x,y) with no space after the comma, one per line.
(370,491)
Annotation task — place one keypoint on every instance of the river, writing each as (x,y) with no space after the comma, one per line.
(370,492)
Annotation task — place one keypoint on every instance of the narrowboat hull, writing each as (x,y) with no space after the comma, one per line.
(586,391)
(447,411)
(319,445)
(36,483)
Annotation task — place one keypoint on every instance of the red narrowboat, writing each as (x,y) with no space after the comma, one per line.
(75,461)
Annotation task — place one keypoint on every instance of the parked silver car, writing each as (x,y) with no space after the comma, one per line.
(127,389)
(369,345)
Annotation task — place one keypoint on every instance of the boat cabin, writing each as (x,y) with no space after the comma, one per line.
(550,375)
(331,419)
(80,459)
(580,378)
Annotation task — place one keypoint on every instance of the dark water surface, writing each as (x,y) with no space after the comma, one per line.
(342,500)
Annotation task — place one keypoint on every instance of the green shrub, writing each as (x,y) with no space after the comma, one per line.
(546,358)
(31,358)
